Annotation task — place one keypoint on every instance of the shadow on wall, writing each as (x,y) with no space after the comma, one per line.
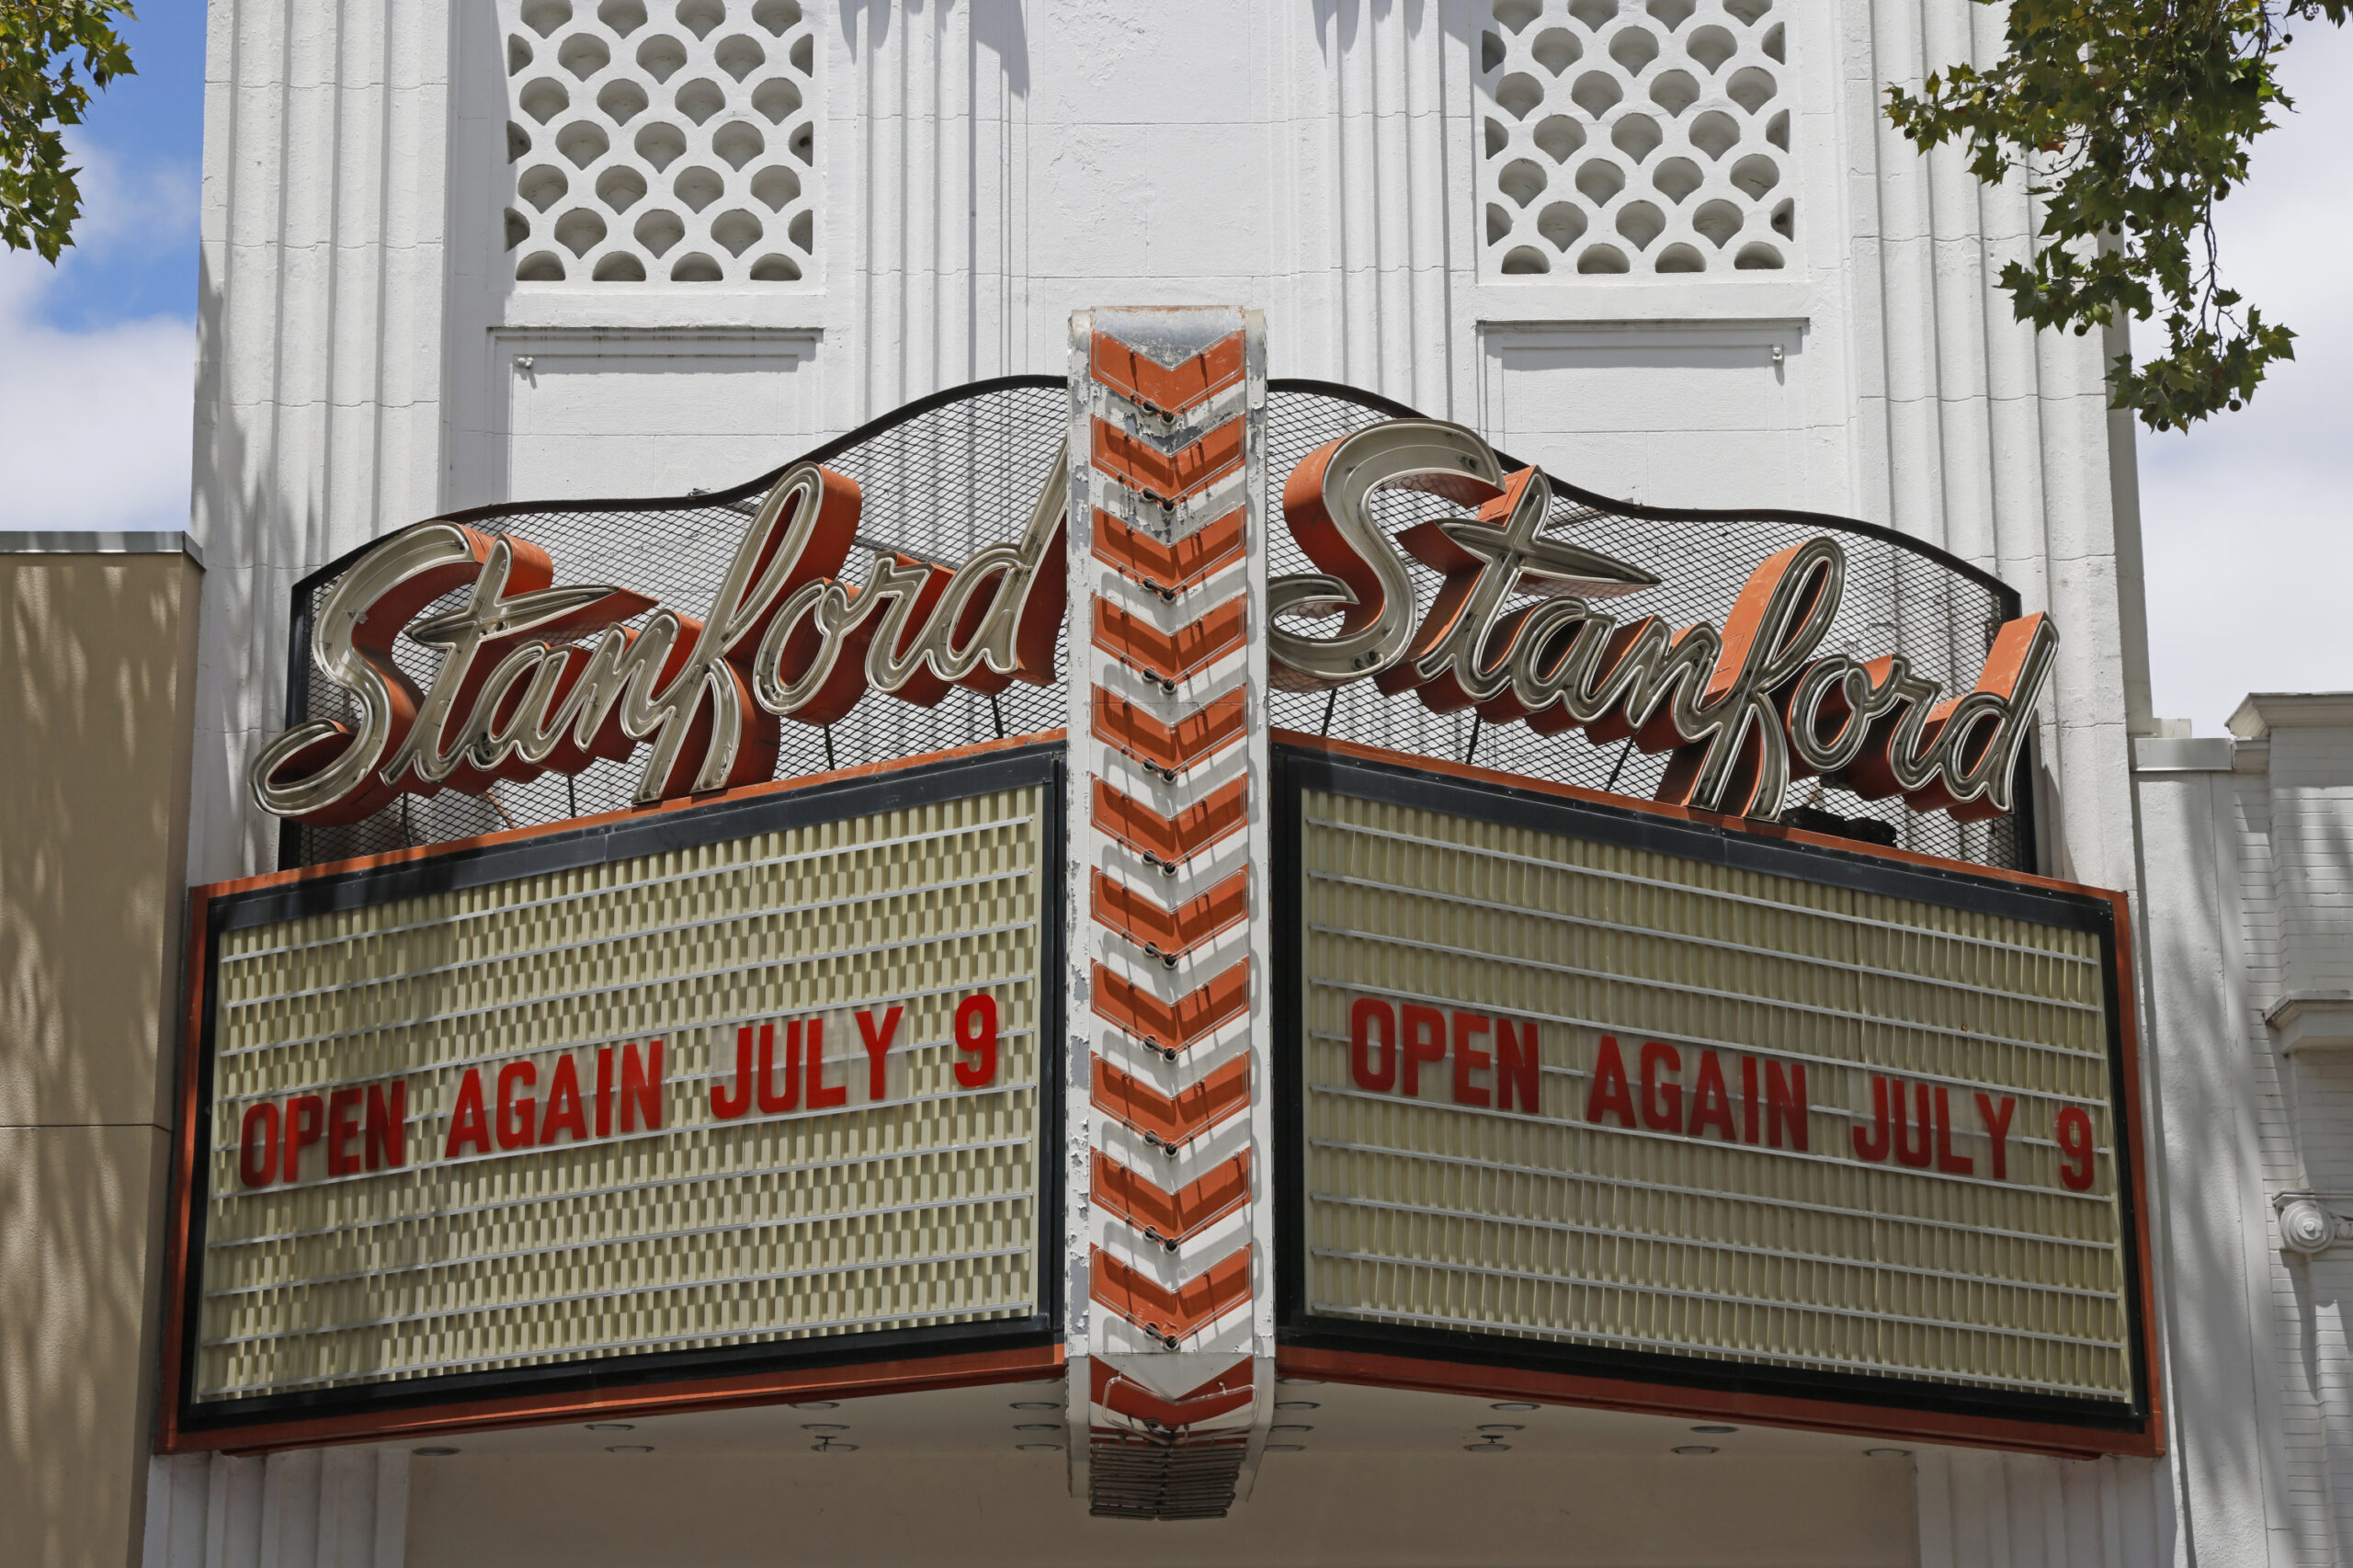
(93,706)
(1352,14)
(2318,1413)
(260,537)
(998,27)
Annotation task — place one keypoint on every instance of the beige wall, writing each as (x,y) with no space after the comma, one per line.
(97,654)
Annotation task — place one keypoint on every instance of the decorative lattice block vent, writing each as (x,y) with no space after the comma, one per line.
(660,139)
(1634,136)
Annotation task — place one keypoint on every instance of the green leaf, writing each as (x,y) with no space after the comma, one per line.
(2130,119)
(40,94)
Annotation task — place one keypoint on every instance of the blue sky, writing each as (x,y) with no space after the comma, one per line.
(150,130)
(97,354)
(2245,521)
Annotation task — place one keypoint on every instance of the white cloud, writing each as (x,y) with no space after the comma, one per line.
(96,425)
(2248,532)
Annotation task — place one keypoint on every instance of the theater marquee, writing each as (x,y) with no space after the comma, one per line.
(700,1094)
(1628,1098)
(1159,879)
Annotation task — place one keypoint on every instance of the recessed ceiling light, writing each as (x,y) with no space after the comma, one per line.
(433,1453)
(1715,1428)
(1036,1426)
(1300,1382)
(1500,1426)
(823,1426)
(1489,1447)
(1514,1404)
(1286,1448)
(1297,1404)
(612,1426)
(630,1448)
(819,1404)
(1040,1447)
(1037,1405)
(1290,1427)
(1695,1448)
(1868,1453)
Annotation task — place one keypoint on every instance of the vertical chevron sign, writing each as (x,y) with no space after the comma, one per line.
(1171,1318)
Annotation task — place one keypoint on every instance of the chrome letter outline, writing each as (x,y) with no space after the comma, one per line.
(1513,631)
(1744,712)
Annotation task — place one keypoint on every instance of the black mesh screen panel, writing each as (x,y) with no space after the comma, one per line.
(948,474)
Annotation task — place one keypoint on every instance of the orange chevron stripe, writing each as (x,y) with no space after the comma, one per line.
(1140,379)
(1168,568)
(1173,1025)
(1171,1121)
(1197,735)
(1171,841)
(1221,1395)
(1165,932)
(1173,1315)
(1171,1217)
(1171,476)
(1172,656)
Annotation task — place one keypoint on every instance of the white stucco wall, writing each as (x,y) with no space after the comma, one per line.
(2248,847)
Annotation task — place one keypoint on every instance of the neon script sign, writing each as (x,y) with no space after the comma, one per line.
(536,678)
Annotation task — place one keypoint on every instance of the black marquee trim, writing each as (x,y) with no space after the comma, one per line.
(1040,765)
(1297,770)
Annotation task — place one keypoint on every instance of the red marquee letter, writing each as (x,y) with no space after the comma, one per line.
(1662,1103)
(1785,1107)
(878,1050)
(386,1138)
(822,1094)
(1906,1152)
(976,1038)
(306,1120)
(1517,1072)
(1610,1091)
(564,1113)
(642,1087)
(2077,1163)
(342,1126)
(518,1119)
(257,1146)
(1948,1163)
(771,1103)
(1469,1058)
(1367,1011)
(1710,1100)
(1425,1042)
(469,1128)
(725,1106)
(1874,1146)
(1997,1131)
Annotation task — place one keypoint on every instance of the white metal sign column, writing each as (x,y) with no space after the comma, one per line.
(1170,1233)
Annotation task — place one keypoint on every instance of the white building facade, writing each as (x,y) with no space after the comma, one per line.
(463,252)
(2244,839)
